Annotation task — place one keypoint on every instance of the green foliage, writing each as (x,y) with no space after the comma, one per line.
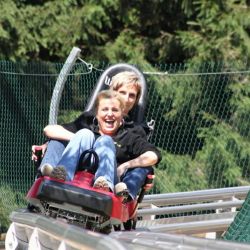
(169,31)
(223,161)
(184,93)
(9,27)
(68,116)
(202,124)
(219,31)
(222,154)
(205,121)
(59,26)
(127,48)
(9,200)
(240,102)
(177,173)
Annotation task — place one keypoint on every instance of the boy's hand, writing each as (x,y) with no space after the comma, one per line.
(37,147)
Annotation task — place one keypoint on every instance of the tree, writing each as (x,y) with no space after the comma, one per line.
(217,31)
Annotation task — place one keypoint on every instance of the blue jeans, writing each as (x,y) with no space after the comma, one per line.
(135,178)
(54,152)
(104,146)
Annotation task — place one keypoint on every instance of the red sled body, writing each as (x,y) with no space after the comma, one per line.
(78,203)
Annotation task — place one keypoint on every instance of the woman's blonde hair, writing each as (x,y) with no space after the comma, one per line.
(126,77)
(109,94)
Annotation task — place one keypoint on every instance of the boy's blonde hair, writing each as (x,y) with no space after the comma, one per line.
(126,77)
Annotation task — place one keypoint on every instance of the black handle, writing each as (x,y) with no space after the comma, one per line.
(38,153)
(93,165)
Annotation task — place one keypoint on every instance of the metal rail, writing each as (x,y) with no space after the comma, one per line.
(190,208)
(33,231)
(171,241)
(187,210)
(190,225)
(196,196)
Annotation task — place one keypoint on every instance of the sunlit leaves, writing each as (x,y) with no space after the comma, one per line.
(219,31)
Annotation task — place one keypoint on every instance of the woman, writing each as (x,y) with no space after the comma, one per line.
(114,141)
(127,84)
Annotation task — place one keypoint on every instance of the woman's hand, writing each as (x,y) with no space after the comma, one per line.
(34,148)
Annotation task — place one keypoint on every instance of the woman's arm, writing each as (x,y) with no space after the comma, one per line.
(146,159)
(57,132)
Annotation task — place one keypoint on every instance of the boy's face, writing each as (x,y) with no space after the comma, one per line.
(129,93)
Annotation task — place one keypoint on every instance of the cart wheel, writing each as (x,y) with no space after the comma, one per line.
(106,230)
(134,221)
(127,225)
(117,227)
(33,209)
(130,224)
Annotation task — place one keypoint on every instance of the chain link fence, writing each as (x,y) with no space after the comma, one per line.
(201,115)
